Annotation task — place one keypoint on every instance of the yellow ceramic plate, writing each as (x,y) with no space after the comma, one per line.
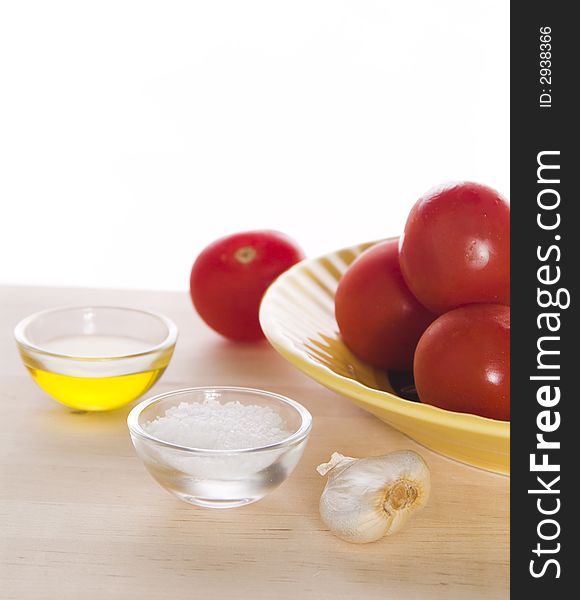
(297,316)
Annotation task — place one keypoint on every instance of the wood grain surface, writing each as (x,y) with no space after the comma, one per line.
(81,518)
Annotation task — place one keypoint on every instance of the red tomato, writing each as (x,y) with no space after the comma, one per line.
(378,317)
(462,362)
(230,276)
(456,247)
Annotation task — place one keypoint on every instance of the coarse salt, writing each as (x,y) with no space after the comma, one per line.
(216,426)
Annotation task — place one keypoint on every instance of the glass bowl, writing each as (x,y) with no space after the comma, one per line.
(95,358)
(220,478)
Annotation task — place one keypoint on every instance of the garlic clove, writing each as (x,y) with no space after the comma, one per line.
(368,498)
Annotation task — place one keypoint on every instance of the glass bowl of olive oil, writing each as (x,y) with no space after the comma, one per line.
(95,358)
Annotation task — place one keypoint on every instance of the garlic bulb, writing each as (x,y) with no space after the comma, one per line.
(368,498)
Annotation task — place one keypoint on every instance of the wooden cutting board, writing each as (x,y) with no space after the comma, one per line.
(81,518)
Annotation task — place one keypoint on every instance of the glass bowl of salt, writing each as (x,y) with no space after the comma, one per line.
(219,447)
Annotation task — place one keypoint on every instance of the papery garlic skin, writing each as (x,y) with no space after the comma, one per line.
(368,498)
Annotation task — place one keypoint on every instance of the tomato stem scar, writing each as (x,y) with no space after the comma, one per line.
(245,255)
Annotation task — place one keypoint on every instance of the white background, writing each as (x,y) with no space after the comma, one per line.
(133,133)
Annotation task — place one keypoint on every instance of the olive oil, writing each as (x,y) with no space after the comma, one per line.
(80,389)
(95,393)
